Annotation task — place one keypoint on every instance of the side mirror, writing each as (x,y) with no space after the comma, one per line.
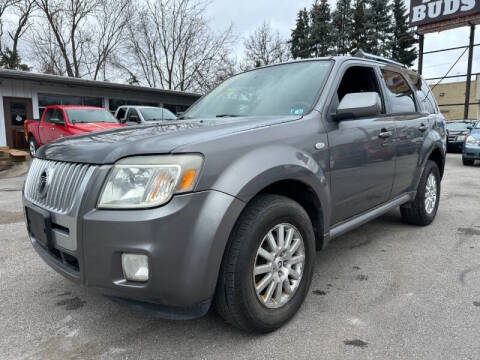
(56,121)
(469,127)
(357,105)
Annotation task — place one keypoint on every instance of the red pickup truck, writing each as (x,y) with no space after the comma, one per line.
(59,121)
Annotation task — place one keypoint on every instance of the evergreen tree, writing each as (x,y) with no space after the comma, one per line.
(321,35)
(401,46)
(357,34)
(300,42)
(9,59)
(342,24)
(379,28)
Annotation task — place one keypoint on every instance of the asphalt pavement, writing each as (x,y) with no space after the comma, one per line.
(384,291)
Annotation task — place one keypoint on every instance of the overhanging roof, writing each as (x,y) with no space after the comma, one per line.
(69,81)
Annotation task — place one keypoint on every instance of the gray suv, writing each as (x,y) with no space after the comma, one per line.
(228,205)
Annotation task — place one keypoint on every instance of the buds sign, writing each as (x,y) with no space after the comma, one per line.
(432,11)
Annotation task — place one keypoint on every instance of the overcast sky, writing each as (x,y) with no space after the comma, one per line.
(247,15)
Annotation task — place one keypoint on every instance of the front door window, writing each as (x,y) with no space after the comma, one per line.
(18,113)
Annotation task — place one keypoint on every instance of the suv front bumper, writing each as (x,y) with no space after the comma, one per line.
(471,152)
(184,241)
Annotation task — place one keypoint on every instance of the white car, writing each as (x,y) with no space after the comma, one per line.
(142,115)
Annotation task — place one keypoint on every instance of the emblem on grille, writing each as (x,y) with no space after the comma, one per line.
(44,183)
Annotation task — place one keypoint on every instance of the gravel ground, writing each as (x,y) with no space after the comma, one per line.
(384,291)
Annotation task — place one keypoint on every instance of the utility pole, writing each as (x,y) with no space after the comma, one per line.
(469,71)
(420,52)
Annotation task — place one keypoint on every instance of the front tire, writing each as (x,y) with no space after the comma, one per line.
(467,162)
(422,210)
(32,147)
(268,265)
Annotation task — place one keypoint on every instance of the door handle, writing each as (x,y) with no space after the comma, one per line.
(385,134)
(422,127)
(52,129)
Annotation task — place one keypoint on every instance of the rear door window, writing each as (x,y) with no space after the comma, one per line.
(400,94)
(48,115)
(58,114)
(132,115)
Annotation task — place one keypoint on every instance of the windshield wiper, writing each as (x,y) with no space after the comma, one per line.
(226,115)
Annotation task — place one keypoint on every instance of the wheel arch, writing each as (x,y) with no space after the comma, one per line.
(31,135)
(437,156)
(303,194)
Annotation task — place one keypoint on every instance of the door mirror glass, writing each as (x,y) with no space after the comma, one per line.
(56,121)
(358,105)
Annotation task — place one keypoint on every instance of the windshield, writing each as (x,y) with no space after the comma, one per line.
(156,114)
(288,89)
(77,116)
(458,126)
(477,126)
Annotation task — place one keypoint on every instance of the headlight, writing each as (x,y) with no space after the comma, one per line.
(471,141)
(148,181)
(461,138)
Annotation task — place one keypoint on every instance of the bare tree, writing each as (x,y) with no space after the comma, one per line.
(66,20)
(23,9)
(4,6)
(49,60)
(19,15)
(265,47)
(172,45)
(112,18)
(225,67)
(84,32)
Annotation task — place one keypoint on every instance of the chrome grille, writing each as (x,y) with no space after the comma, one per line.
(63,183)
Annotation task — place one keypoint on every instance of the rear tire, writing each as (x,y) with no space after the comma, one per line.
(467,162)
(238,298)
(422,210)
(32,146)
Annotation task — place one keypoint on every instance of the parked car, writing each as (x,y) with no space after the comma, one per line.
(141,115)
(229,204)
(457,132)
(471,149)
(59,121)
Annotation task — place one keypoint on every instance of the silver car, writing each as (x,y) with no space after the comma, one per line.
(142,115)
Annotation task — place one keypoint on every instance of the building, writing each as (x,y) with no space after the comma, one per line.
(24,95)
(451,99)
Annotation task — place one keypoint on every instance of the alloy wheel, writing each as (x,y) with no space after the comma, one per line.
(279,265)
(431,194)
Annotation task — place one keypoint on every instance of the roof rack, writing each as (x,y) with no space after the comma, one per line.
(365,55)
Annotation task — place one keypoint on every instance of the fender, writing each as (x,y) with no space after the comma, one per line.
(432,142)
(257,169)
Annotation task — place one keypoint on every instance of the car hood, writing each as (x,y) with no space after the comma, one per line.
(106,147)
(89,127)
(458,132)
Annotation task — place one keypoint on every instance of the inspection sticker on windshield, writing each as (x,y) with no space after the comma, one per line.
(296,111)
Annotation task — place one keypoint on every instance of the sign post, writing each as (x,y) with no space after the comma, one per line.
(469,71)
(438,15)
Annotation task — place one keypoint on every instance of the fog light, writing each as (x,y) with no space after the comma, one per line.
(135,267)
